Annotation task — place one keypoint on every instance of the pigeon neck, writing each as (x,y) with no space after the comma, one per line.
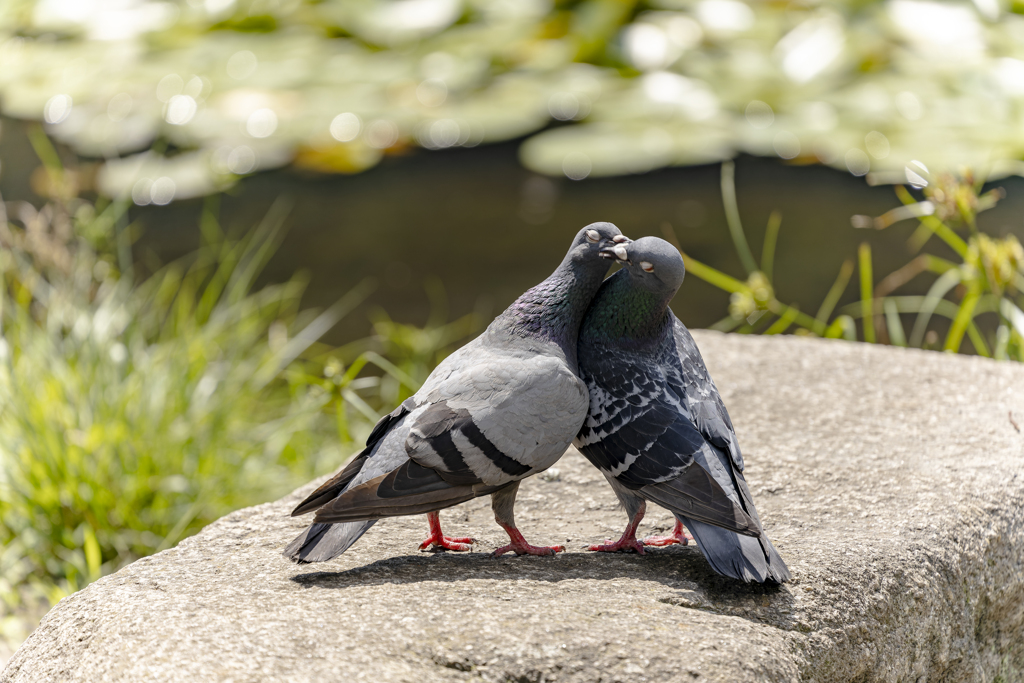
(554,309)
(625,311)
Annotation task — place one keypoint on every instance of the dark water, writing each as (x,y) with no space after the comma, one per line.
(488,229)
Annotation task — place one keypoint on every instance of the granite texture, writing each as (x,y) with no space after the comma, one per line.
(890,480)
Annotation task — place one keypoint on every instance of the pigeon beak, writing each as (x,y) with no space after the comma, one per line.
(617,253)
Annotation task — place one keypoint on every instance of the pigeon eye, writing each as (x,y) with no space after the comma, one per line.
(593,235)
(647,266)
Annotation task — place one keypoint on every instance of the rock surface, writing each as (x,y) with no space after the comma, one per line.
(890,480)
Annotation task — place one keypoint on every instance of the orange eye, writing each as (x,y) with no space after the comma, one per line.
(647,266)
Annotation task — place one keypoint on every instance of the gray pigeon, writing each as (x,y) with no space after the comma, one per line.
(501,408)
(657,428)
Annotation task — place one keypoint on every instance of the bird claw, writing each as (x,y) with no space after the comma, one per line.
(679,535)
(527,549)
(621,545)
(445,543)
(519,546)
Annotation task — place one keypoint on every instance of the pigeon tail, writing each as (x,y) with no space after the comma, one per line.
(322,542)
(745,558)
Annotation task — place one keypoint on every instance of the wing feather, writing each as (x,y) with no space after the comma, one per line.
(411,489)
(642,431)
(701,395)
(336,484)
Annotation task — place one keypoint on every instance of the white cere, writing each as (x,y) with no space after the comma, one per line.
(647,266)
(620,238)
(593,235)
(620,252)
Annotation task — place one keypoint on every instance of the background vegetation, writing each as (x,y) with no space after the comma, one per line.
(978,284)
(135,409)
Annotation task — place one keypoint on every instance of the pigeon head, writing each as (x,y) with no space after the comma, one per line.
(653,264)
(592,240)
(554,309)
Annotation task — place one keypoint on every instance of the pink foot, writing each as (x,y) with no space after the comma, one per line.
(622,545)
(520,547)
(679,535)
(439,540)
(628,541)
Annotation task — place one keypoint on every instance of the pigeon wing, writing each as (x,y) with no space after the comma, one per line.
(336,484)
(701,395)
(639,431)
(490,421)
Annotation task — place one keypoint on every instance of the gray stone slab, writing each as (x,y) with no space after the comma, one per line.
(890,480)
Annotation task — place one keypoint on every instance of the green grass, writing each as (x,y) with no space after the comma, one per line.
(136,410)
(981,295)
(134,415)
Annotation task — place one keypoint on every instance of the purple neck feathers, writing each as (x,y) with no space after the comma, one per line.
(554,309)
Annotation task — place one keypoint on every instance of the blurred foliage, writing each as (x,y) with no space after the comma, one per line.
(980,293)
(135,410)
(225,87)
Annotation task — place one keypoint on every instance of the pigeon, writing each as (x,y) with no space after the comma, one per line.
(657,428)
(503,407)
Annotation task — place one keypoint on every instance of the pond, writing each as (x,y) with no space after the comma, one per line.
(476,221)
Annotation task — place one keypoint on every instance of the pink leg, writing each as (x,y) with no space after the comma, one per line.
(679,535)
(520,547)
(627,542)
(439,540)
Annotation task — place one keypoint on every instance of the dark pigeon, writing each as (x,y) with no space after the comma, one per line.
(501,408)
(657,428)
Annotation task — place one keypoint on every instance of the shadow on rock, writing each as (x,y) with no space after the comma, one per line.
(693,584)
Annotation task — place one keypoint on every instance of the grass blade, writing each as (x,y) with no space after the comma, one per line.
(944,232)
(259,247)
(771,236)
(316,329)
(726,324)
(714,277)
(906,304)
(832,298)
(843,326)
(938,290)
(1013,315)
(47,154)
(964,316)
(921,264)
(360,405)
(784,321)
(704,272)
(732,217)
(893,323)
(980,347)
(866,296)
